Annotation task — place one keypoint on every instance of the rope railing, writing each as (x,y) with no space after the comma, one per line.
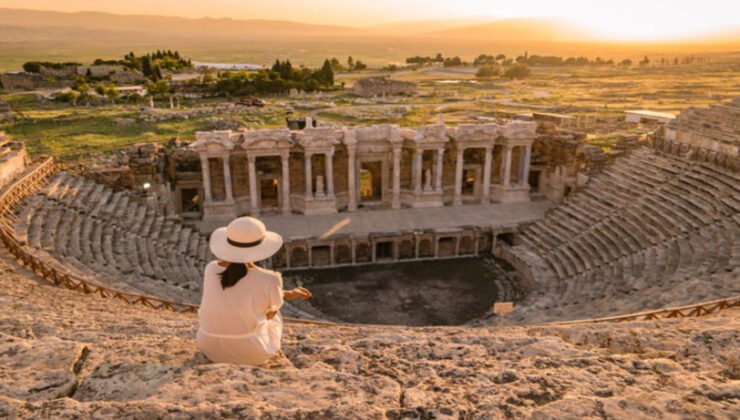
(10,201)
(687,311)
(14,196)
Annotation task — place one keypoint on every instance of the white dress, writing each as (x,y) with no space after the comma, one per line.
(233,323)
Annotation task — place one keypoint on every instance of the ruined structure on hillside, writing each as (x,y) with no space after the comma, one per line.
(224,174)
(562,161)
(382,86)
(708,134)
(20,80)
(13,159)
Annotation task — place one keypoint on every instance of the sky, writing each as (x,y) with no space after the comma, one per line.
(623,19)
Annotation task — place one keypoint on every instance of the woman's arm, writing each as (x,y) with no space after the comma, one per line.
(297,293)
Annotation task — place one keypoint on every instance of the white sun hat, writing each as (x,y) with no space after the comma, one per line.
(244,240)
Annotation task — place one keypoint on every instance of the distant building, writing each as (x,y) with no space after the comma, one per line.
(561,120)
(20,80)
(228,66)
(646,116)
(382,86)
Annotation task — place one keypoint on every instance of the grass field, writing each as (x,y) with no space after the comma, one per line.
(63,130)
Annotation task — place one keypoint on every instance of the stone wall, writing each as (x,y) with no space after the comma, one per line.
(21,80)
(13,159)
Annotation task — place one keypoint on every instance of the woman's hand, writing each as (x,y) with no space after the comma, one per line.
(297,293)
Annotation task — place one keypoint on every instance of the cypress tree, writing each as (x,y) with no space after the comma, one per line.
(157,73)
(327,74)
(146,66)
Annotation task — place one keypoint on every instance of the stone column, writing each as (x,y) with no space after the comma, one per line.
(206,172)
(396,203)
(351,184)
(438,171)
(507,166)
(487,177)
(285,166)
(253,185)
(458,177)
(330,174)
(309,181)
(418,154)
(227,178)
(527,158)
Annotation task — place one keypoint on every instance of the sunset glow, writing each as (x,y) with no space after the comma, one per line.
(623,20)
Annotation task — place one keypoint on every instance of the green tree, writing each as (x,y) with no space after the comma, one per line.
(32,67)
(157,89)
(146,66)
(112,93)
(487,71)
(80,85)
(350,63)
(517,71)
(336,66)
(156,73)
(326,74)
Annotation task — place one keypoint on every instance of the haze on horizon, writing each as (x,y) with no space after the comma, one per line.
(637,20)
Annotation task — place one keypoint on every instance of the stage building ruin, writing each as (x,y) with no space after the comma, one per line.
(324,170)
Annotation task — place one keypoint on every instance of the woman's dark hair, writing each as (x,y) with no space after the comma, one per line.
(233,273)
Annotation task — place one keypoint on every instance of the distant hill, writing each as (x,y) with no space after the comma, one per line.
(27,35)
(166,24)
(422,27)
(548,30)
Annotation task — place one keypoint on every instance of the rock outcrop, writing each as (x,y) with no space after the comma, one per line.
(67,355)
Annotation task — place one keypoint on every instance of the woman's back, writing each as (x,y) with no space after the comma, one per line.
(239,308)
(233,321)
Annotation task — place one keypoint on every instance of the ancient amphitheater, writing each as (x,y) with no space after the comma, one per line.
(610,259)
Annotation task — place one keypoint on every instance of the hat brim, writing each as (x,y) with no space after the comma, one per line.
(224,251)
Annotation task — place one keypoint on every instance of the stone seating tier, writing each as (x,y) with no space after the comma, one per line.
(663,226)
(114,240)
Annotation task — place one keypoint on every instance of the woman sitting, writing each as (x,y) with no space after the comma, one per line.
(239,318)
